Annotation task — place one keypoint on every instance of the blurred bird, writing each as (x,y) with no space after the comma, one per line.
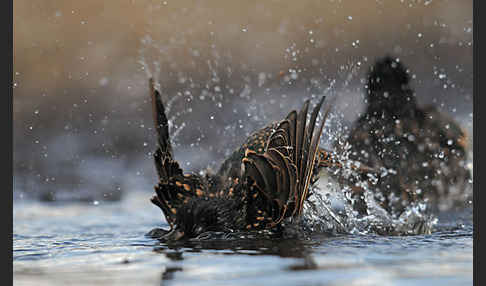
(421,152)
(261,184)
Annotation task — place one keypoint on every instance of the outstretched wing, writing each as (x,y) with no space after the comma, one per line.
(281,176)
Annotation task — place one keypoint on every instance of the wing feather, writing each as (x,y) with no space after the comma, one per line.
(283,172)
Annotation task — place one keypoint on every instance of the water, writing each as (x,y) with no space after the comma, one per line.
(103,243)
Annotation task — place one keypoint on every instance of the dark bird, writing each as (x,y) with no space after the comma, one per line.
(421,151)
(260,185)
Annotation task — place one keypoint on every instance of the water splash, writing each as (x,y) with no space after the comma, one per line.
(330,210)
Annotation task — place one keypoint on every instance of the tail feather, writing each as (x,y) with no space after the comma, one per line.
(164,163)
(160,120)
(174,188)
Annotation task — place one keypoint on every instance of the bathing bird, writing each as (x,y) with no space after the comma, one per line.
(264,183)
(420,151)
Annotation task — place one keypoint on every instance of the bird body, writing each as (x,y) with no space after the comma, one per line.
(421,151)
(260,185)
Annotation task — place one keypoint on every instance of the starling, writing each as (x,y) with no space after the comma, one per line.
(421,152)
(260,185)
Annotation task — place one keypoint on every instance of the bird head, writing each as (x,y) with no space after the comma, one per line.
(388,86)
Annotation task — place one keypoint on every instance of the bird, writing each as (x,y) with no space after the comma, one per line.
(420,151)
(262,184)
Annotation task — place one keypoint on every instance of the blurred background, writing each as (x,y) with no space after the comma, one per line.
(82,117)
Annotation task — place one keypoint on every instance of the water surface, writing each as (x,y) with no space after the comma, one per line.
(103,243)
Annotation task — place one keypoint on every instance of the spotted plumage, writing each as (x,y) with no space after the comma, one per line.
(262,183)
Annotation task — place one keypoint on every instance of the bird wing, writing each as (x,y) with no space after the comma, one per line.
(281,176)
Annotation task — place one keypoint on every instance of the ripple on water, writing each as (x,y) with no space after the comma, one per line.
(86,244)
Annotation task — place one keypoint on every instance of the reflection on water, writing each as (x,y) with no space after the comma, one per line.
(105,243)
